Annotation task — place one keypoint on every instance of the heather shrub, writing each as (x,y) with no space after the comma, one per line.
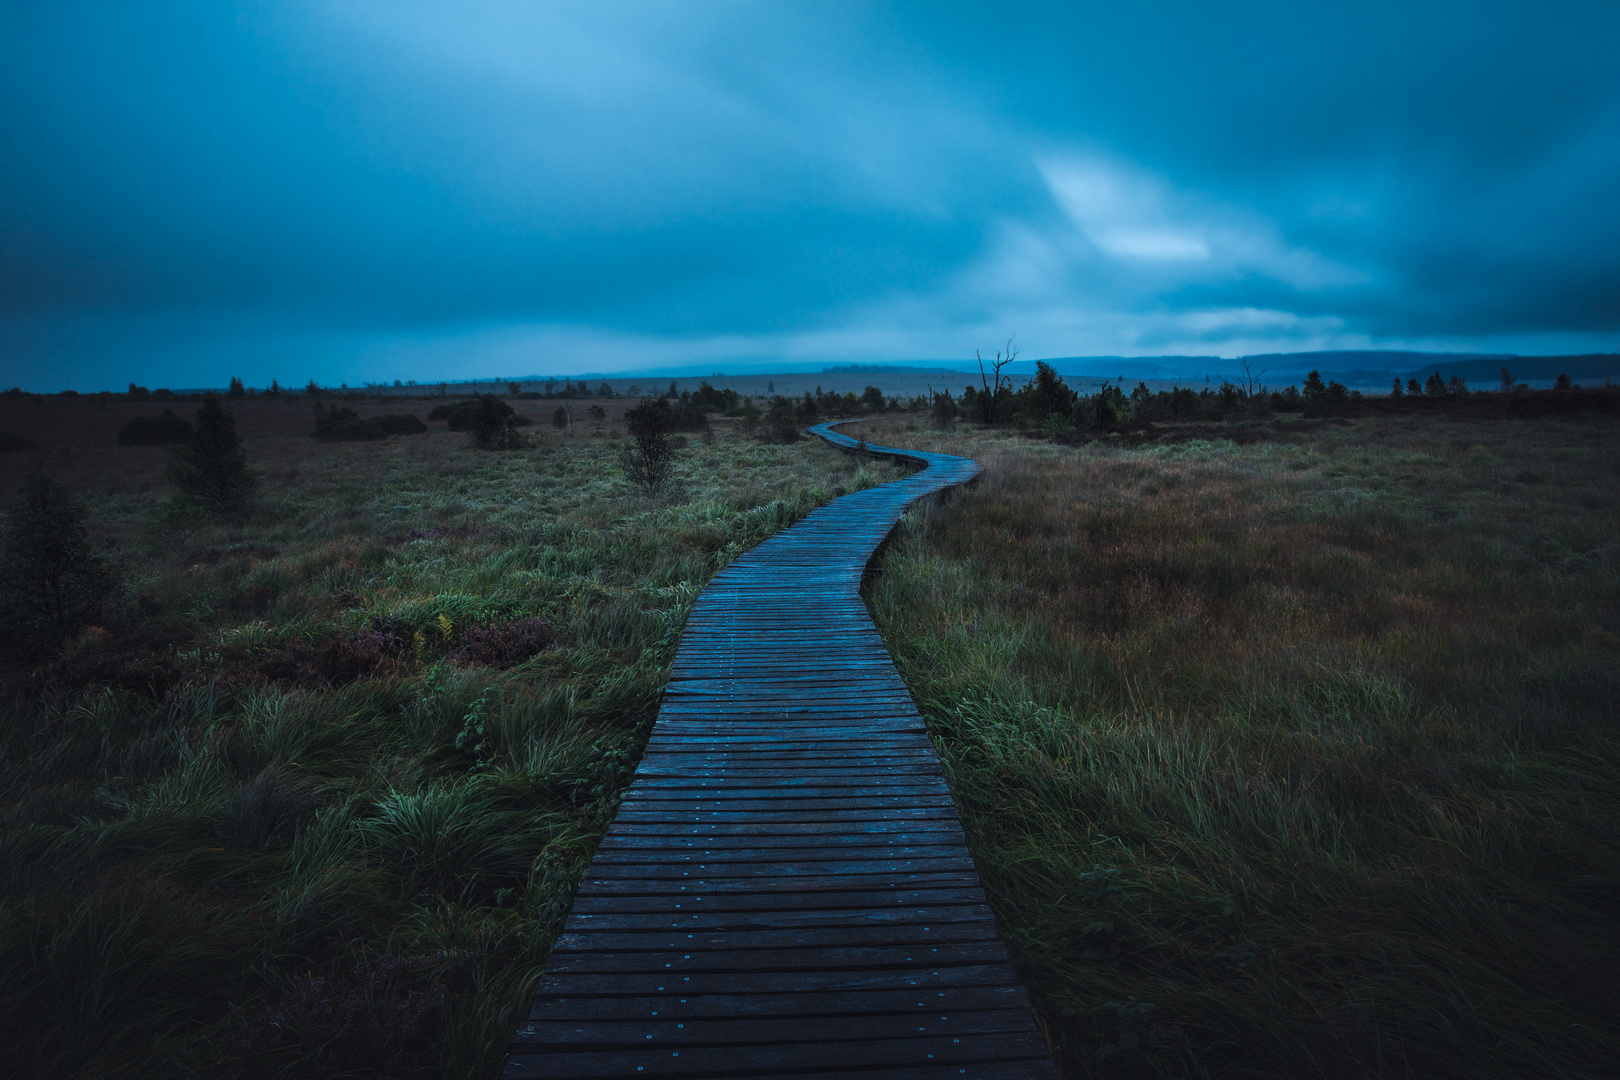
(505,644)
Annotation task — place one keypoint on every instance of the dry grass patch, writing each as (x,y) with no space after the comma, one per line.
(1308,743)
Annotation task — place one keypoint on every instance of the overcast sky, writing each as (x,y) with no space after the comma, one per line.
(364,191)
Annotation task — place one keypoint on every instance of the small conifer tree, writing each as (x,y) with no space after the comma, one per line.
(211,467)
(52,581)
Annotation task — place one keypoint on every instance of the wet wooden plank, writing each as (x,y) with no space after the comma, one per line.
(785,889)
(708,1060)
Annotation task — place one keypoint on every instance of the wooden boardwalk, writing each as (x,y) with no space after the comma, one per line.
(785,891)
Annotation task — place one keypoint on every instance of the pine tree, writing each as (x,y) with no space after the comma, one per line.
(52,581)
(212,467)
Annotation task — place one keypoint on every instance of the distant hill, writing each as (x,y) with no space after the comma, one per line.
(1362,367)
(1583,366)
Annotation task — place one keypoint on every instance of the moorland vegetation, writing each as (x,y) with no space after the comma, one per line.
(1287,747)
(306,773)
(1281,722)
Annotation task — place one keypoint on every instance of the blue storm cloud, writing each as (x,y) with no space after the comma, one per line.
(390,189)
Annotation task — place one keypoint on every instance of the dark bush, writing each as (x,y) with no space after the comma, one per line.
(11,444)
(155,430)
(650,454)
(506,643)
(478,414)
(806,412)
(52,581)
(211,467)
(1047,395)
(709,399)
(150,671)
(493,423)
(781,422)
(1330,399)
(343,424)
(335,661)
(1107,408)
(685,415)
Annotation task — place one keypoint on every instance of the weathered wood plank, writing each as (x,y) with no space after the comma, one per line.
(785,888)
(708,1060)
(692,1032)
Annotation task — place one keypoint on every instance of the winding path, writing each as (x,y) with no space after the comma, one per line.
(785,890)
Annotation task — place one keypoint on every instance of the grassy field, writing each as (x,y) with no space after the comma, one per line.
(1287,757)
(1284,748)
(314,799)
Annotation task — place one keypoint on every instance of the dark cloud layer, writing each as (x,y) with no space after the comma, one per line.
(359,190)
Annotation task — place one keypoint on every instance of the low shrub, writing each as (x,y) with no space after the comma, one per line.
(781,422)
(342,424)
(333,662)
(506,643)
(477,414)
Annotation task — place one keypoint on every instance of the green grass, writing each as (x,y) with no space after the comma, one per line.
(225,853)
(1295,758)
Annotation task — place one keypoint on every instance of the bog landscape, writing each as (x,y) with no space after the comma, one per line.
(809,540)
(1280,725)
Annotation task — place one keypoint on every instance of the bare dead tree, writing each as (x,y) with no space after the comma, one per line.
(996,381)
(1252,386)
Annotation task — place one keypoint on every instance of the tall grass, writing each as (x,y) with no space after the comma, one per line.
(1290,759)
(272,823)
